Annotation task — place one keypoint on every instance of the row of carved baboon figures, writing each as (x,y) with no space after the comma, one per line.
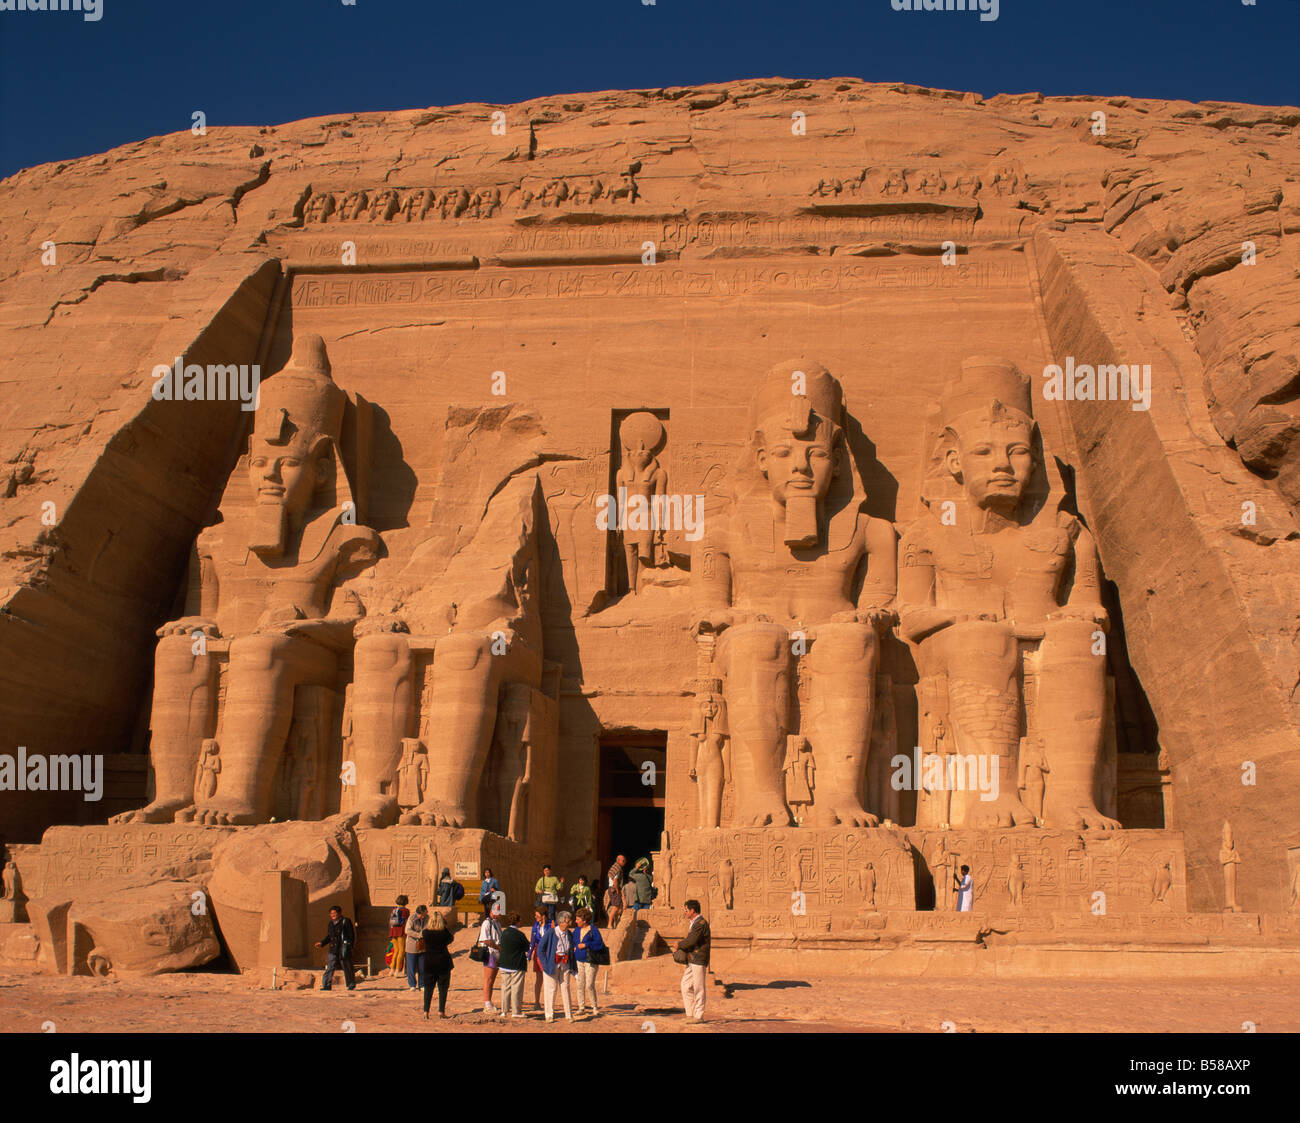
(419,204)
(1001,179)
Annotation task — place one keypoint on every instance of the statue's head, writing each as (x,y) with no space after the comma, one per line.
(296,431)
(990,434)
(641,434)
(798,442)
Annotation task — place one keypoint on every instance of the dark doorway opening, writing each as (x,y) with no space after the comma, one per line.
(630,818)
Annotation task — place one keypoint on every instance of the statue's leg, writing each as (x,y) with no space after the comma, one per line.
(1071,714)
(842,662)
(466,681)
(184,713)
(982,659)
(757,662)
(711,781)
(382,713)
(264,670)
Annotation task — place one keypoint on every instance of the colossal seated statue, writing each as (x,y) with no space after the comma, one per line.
(991,578)
(485,650)
(797,569)
(264,596)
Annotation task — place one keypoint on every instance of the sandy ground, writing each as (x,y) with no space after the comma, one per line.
(206,1002)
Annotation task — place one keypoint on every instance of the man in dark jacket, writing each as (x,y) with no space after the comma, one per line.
(693,953)
(340,939)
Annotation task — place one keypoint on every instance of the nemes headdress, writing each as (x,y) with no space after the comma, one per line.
(302,399)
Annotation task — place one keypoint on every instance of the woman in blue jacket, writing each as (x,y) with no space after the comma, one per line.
(556,950)
(586,943)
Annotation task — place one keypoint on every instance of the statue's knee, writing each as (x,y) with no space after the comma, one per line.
(175,655)
(465,651)
(839,645)
(381,653)
(256,653)
(756,644)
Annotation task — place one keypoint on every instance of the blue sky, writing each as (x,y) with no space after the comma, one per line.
(70,88)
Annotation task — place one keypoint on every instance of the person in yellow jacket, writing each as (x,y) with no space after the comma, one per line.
(548,889)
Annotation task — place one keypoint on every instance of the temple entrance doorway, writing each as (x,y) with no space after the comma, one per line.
(630,815)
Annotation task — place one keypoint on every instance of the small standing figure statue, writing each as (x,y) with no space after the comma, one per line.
(666,876)
(941,873)
(1163,883)
(1230,859)
(1016,881)
(868,880)
(1033,769)
(205,783)
(940,793)
(640,479)
(412,773)
(800,771)
(711,759)
(727,883)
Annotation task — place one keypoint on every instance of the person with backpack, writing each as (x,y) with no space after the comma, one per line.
(415,927)
(340,938)
(548,890)
(489,943)
(514,967)
(541,923)
(590,952)
(397,919)
(449,890)
(437,962)
(614,891)
(644,883)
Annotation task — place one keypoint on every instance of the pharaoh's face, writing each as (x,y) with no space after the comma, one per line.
(993,461)
(285,476)
(798,465)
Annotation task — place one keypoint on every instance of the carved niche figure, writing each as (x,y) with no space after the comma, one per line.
(412,773)
(1033,770)
(1230,860)
(941,873)
(997,573)
(665,867)
(1016,880)
(266,579)
(711,757)
(727,883)
(205,784)
(868,882)
(800,775)
(1163,883)
(798,566)
(934,777)
(13,901)
(640,479)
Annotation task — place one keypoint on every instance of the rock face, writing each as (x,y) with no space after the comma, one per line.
(814,326)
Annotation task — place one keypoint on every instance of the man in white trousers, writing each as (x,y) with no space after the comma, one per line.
(693,953)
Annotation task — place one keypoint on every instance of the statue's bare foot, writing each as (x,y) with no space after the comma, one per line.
(1005,811)
(762,810)
(1077,817)
(436,813)
(847,812)
(377,811)
(226,815)
(156,812)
